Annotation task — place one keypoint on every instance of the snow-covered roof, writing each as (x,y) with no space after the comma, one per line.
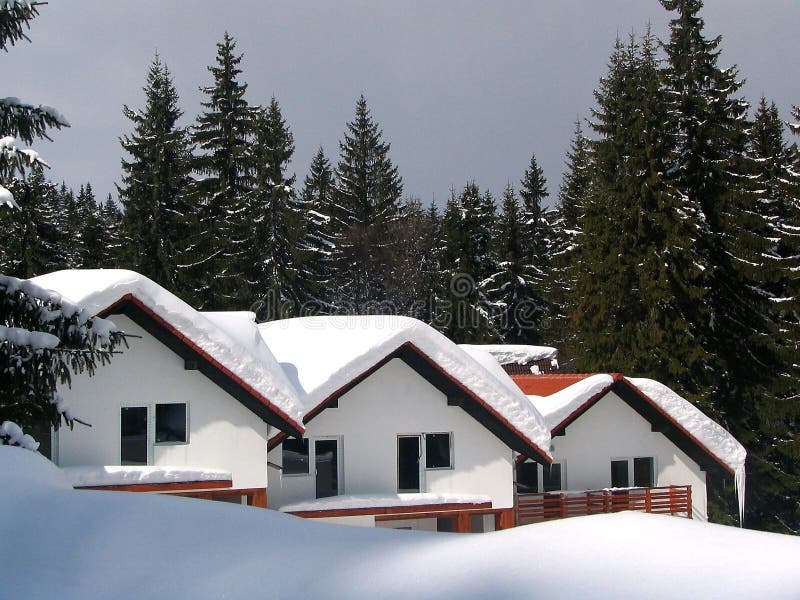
(378,501)
(245,356)
(139,475)
(564,405)
(322,355)
(520,354)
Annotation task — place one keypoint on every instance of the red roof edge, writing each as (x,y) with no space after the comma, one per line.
(666,415)
(222,368)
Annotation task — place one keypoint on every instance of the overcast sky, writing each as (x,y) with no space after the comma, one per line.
(463,90)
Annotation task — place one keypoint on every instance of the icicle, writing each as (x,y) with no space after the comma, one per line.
(739,483)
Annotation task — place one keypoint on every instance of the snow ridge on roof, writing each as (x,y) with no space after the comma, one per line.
(368,501)
(323,354)
(245,356)
(558,406)
(520,354)
(138,475)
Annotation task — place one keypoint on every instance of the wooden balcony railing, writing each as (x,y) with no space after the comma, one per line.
(669,500)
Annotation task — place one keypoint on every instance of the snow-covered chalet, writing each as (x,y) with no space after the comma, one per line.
(376,421)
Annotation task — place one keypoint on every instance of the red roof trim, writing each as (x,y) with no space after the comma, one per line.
(586,405)
(222,368)
(620,379)
(276,440)
(677,424)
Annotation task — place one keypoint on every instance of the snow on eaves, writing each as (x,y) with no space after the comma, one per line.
(556,407)
(138,475)
(560,405)
(705,430)
(377,501)
(520,354)
(320,355)
(96,289)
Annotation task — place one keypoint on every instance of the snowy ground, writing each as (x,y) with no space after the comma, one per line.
(57,542)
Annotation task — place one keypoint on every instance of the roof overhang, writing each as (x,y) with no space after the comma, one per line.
(457,395)
(660,421)
(159,328)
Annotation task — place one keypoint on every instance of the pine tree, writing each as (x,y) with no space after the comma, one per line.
(156,219)
(213,265)
(42,340)
(274,252)
(111,216)
(465,313)
(32,239)
(514,288)
(317,270)
(565,252)
(366,202)
(776,417)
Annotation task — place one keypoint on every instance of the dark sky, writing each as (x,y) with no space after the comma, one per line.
(463,90)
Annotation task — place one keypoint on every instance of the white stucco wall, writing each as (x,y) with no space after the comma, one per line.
(223,434)
(612,429)
(393,401)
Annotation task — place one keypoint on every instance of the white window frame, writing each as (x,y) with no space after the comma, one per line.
(151,429)
(630,459)
(449,435)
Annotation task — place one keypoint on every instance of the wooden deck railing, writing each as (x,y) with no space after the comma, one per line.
(668,500)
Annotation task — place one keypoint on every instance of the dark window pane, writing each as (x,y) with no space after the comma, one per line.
(133,434)
(643,472)
(295,456)
(445,524)
(552,478)
(528,477)
(41,432)
(619,473)
(437,451)
(408,464)
(171,423)
(327,464)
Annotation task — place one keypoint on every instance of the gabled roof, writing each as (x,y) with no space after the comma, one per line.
(242,365)
(324,357)
(704,440)
(675,416)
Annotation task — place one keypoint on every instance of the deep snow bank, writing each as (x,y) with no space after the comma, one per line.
(83,544)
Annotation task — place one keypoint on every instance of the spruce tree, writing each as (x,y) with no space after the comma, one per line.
(565,252)
(274,251)
(42,340)
(366,202)
(212,265)
(465,313)
(156,219)
(514,288)
(317,202)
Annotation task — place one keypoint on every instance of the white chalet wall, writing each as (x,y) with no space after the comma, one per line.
(612,429)
(393,401)
(223,434)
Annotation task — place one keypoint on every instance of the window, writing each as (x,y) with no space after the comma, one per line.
(171,423)
(533,478)
(295,456)
(408,459)
(326,466)
(552,477)
(636,472)
(643,472)
(438,451)
(133,435)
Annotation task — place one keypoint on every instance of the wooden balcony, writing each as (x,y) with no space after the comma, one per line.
(669,500)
